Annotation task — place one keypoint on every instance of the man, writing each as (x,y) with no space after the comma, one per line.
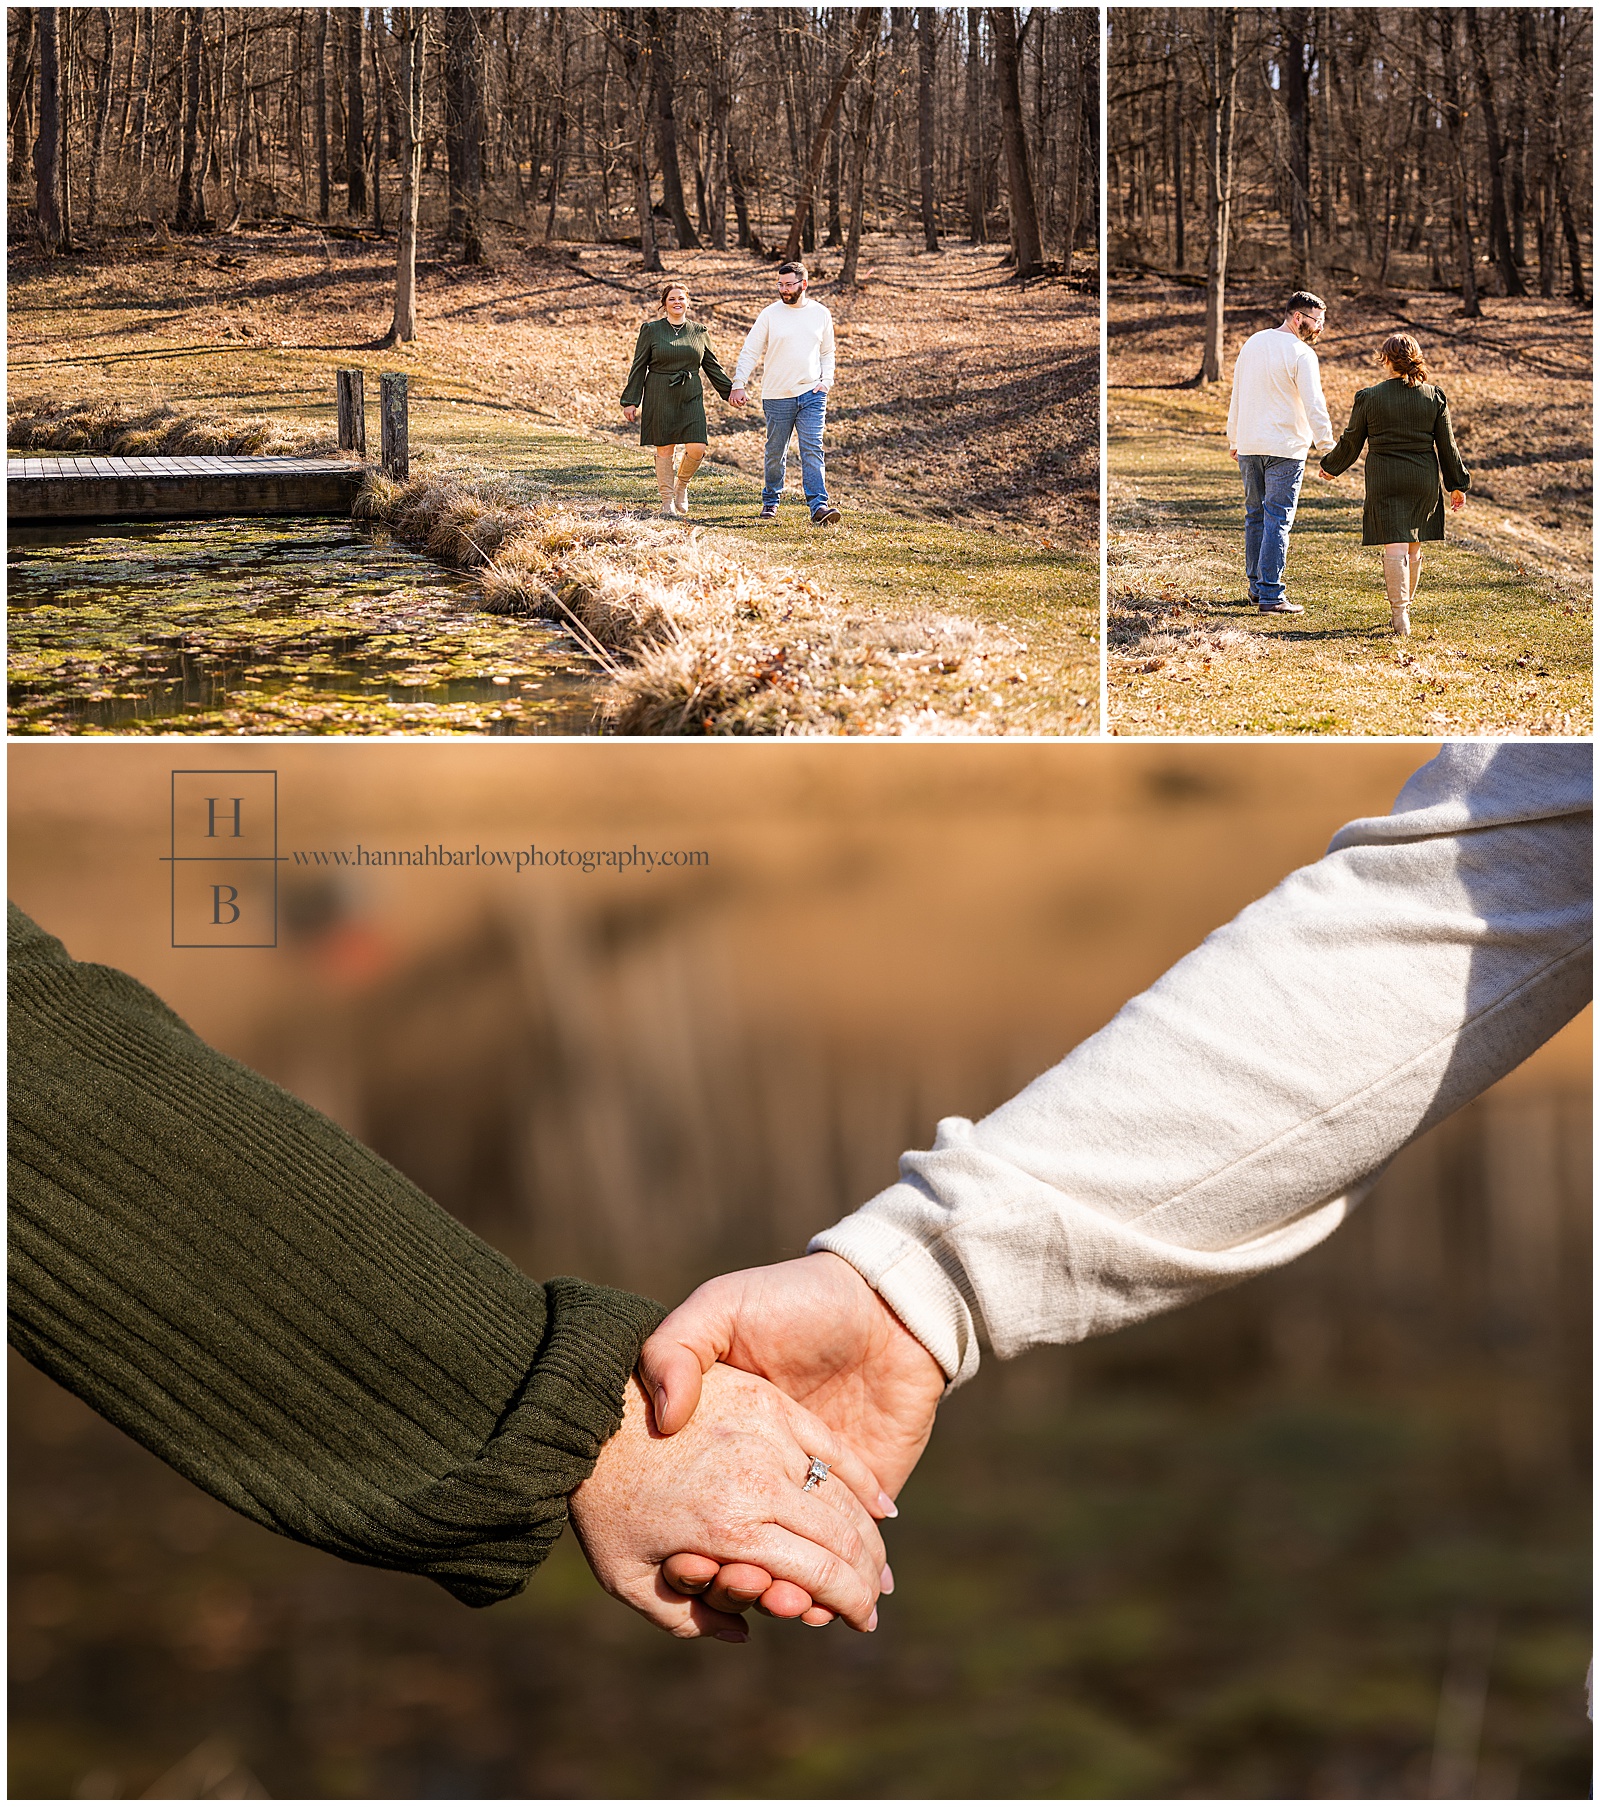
(1222,1124)
(1276,416)
(795,339)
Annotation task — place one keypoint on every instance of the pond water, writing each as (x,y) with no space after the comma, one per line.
(283,626)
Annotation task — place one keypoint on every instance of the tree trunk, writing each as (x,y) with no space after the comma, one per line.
(977,210)
(464,128)
(19,93)
(355,125)
(1455,124)
(866,18)
(747,238)
(926,49)
(102,118)
(1019,176)
(1297,103)
(377,121)
(858,172)
(1499,225)
(320,122)
(191,212)
(49,150)
(660,47)
(413,47)
(1221,72)
(1179,123)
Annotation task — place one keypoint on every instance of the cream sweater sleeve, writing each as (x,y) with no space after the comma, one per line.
(1230,1117)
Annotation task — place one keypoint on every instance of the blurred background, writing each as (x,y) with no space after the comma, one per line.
(1324,1536)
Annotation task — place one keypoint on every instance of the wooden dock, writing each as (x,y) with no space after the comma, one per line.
(90,487)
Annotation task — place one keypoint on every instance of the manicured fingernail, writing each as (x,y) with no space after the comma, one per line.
(886,1580)
(728,1635)
(887,1506)
(872,1623)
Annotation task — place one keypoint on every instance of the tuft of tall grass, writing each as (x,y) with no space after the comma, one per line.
(695,641)
(110,426)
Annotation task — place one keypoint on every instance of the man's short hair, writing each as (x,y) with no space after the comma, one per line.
(794,270)
(1302,301)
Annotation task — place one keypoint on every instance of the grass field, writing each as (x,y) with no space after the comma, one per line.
(1502,628)
(980,517)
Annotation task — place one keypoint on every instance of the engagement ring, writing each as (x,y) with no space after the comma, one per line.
(818,1471)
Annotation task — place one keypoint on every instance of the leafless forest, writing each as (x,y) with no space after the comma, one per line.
(776,129)
(1422,147)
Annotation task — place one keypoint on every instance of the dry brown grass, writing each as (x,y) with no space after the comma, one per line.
(108,425)
(697,642)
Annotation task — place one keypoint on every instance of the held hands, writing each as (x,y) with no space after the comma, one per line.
(1458,501)
(630,414)
(731,1486)
(738,397)
(815,1329)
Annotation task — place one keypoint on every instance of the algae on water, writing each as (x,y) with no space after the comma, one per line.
(283,626)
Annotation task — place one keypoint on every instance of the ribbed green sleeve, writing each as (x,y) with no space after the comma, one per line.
(261,1301)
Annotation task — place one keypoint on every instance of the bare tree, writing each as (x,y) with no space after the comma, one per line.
(191,213)
(866,18)
(925,76)
(464,128)
(49,150)
(355,125)
(413,29)
(1019,174)
(1219,80)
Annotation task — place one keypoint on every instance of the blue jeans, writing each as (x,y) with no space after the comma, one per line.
(789,414)
(1271,490)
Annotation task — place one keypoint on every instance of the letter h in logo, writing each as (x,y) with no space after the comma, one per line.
(224,859)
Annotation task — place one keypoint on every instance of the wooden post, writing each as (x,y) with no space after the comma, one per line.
(392,411)
(352,412)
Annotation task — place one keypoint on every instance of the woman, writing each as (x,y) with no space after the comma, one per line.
(665,396)
(1406,424)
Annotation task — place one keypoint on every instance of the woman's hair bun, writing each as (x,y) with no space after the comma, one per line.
(1404,356)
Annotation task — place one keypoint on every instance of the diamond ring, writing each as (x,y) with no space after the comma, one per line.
(818,1471)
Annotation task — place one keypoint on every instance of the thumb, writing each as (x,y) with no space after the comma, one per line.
(687,1343)
(670,1373)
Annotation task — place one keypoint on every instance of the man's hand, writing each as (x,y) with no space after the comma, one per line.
(1326,476)
(731,1486)
(738,397)
(1233,455)
(1458,501)
(814,1328)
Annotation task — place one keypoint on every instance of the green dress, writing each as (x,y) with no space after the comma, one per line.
(1410,444)
(270,1308)
(665,379)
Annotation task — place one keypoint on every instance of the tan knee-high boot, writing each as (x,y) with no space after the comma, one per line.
(665,484)
(1396,580)
(1415,555)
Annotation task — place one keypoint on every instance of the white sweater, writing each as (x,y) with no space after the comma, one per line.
(1230,1117)
(1277,409)
(797,344)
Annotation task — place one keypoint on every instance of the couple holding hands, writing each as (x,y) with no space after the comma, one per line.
(289,1322)
(792,340)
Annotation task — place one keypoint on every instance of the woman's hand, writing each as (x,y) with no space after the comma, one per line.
(729,1486)
(1458,501)
(1326,476)
(630,414)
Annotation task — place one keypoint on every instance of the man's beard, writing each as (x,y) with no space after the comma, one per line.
(1310,334)
(792,300)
